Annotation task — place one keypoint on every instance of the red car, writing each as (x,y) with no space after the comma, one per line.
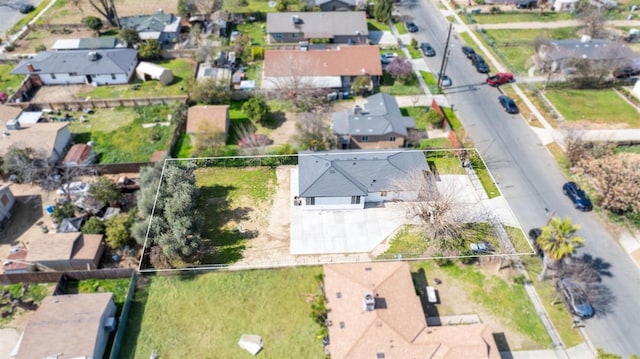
(500,78)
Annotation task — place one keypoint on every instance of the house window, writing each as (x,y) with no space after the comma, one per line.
(53,76)
(277,36)
(355,199)
(73,74)
(365,138)
(392,138)
(310,201)
(113,76)
(383,194)
(294,35)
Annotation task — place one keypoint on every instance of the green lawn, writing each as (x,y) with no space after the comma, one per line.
(373,25)
(183,147)
(518,239)
(446,165)
(116,286)
(400,28)
(398,88)
(204,316)
(7,80)
(432,82)
(119,136)
(182,72)
(430,143)
(597,106)
(249,6)
(513,310)
(255,30)
(414,52)
(227,197)
(520,16)
(37,292)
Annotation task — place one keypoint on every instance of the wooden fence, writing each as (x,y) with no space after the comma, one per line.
(53,277)
(100,103)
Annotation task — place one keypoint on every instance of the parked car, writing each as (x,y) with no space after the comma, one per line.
(575,298)
(446,80)
(387,57)
(468,51)
(74,188)
(482,68)
(476,59)
(625,72)
(500,78)
(527,4)
(534,233)
(411,26)
(26,8)
(580,199)
(427,49)
(508,104)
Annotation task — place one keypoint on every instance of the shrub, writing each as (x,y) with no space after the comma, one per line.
(414,43)
(117,230)
(62,211)
(93,226)
(10,47)
(442,262)
(257,52)
(41,48)
(468,257)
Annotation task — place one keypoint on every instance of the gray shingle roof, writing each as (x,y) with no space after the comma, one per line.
(381,116)
(147,23)
(347,23)
(595,49)
(354,173)
(110,61)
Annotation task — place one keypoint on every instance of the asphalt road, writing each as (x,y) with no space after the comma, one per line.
(531,182)
(9,14)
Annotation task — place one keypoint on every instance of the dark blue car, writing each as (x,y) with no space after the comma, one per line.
(575,298)
(580,199)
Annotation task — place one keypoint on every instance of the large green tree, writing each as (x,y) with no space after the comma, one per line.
(382,10)
(558,240)
(256,109)
(149,50)
(176,222)
(208,91)
(104,190)
(129,37)
(94,23)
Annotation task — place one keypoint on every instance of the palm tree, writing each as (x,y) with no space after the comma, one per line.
(558,241)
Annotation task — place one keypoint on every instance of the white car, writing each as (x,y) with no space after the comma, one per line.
(74,188)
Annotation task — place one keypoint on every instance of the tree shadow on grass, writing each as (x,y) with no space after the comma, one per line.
(223,226)
(238,128)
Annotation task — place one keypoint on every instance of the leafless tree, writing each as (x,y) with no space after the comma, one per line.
(313,132)
(441,211)
(106,8)
(594,21)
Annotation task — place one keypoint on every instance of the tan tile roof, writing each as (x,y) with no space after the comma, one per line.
(8,113)
(65,324)
(87,246)
(37,136)
(343,61)
(207,119)
(52,247)
(397,326)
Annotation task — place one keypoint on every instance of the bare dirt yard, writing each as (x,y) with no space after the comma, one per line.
(46,38)
(71,13)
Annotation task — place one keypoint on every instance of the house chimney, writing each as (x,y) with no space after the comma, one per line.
(369,302)
(31,68)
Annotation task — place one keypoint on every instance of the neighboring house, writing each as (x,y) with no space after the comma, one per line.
(558,55)
(65,251)
(69,326)
(86,43)
(379,125)
(348,179)
(78,155)
(335,5)
(220,21)
(149,71)
(208,119)
(7,203)
(329,69)
(161,27)
(99,67)
(564,5)
(343,27)
(51,137)
(373,312)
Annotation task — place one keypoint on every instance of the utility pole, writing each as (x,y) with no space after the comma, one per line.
(445,56)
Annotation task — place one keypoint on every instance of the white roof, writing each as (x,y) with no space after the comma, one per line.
(150,68)
(250,343)
(63,44)
(29,117)
(151,35)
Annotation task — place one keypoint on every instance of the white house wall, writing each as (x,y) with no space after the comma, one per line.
(103,335)
(333,203)
(65,79)
(62,141)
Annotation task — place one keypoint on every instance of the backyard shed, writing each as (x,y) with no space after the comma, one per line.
(150,71)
